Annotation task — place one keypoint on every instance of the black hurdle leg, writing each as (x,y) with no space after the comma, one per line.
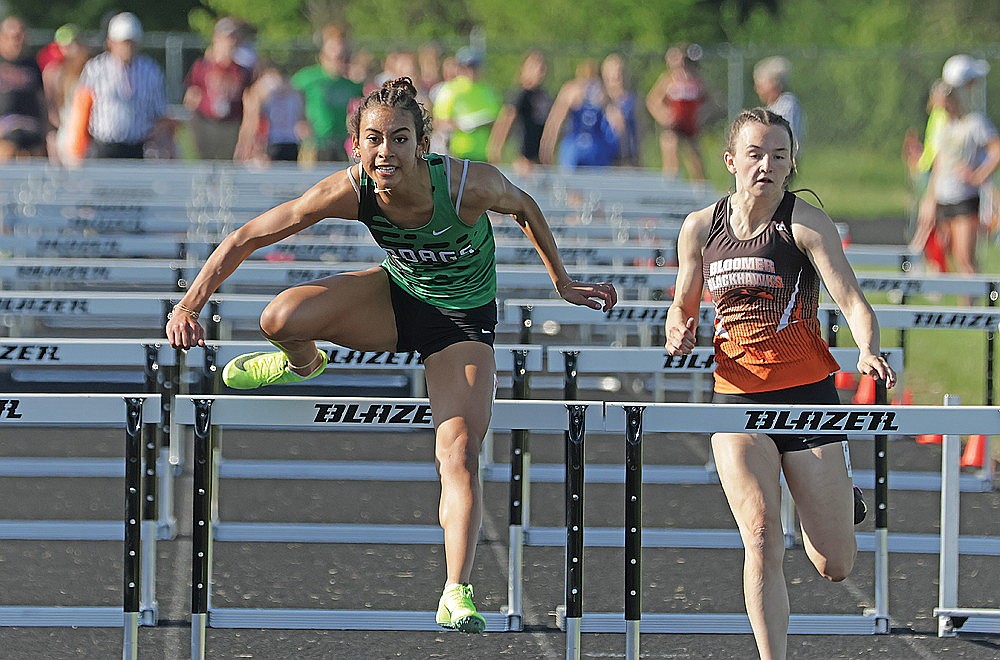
(150,499)
(574,529)
(201,530)
(633,529)
(881,520)
(133,527)
(520,492)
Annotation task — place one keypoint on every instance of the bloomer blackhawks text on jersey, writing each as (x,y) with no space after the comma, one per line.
(766,295)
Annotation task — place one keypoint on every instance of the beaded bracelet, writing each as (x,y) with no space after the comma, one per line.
(194,315)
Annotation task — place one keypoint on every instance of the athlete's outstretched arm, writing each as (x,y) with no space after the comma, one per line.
(682,317)
(331,197)
(817,236)
(491,190)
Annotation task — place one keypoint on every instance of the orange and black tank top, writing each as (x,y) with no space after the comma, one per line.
(766,295)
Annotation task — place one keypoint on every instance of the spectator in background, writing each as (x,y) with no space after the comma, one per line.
(526,109)
(54,51)
(274,120)
(466,108)
(215,86)
(675,101)
(429,62)
(328,93)
(770,80)
(440,135)
(919,156)
(621,96)
(60,76)
(361,69)
(592,138)
(23,123)
(121,97)
(968,153)
(245,53)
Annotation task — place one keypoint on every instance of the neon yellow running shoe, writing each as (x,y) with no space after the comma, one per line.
(456,610)
(253,370)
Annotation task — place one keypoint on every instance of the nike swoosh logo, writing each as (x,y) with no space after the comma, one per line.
(486,332)
(438,233)
(242,360)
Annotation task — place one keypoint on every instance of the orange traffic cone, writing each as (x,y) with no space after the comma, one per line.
(905,400)
(975,451)
(845,380)
(926,438)
(865,395)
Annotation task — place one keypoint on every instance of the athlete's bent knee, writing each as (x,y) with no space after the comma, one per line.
(835,570)
(276,320)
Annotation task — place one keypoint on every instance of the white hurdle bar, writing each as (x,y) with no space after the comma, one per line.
(70,412)
(149,355)
(512,358)
(950,617)
(635,419)
(325,414)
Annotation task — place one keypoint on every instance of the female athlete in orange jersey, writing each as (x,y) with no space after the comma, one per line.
(762,251)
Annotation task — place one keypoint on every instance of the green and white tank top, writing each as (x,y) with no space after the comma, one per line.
(445,263)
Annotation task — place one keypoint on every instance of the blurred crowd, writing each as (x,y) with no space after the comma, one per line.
(69,103)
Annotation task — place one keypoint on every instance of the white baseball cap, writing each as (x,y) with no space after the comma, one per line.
(960,70)
(124,27)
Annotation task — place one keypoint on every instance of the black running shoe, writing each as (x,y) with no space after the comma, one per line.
(860,508)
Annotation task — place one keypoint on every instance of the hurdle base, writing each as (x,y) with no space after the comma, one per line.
(328,533)
(732,624)
(305,619)
(515,622)
(540,473)
(166,530)
(61,617)
(654,537)
(63,530)
(953,620)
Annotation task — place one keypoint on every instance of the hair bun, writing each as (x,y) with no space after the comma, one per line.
(404,84)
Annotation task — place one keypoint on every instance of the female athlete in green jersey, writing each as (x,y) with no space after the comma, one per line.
(435,293)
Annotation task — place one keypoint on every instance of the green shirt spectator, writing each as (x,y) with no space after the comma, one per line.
(466,109)
(328,93)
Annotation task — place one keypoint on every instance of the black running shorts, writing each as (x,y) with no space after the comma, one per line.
(428,329)
(965,207)
(823,393)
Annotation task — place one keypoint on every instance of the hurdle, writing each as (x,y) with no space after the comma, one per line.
(950,617)
(509,358)
(953,318)
(633,420)
(324,414)
(73,411)
(578,360)
(51,353)
(528,312)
